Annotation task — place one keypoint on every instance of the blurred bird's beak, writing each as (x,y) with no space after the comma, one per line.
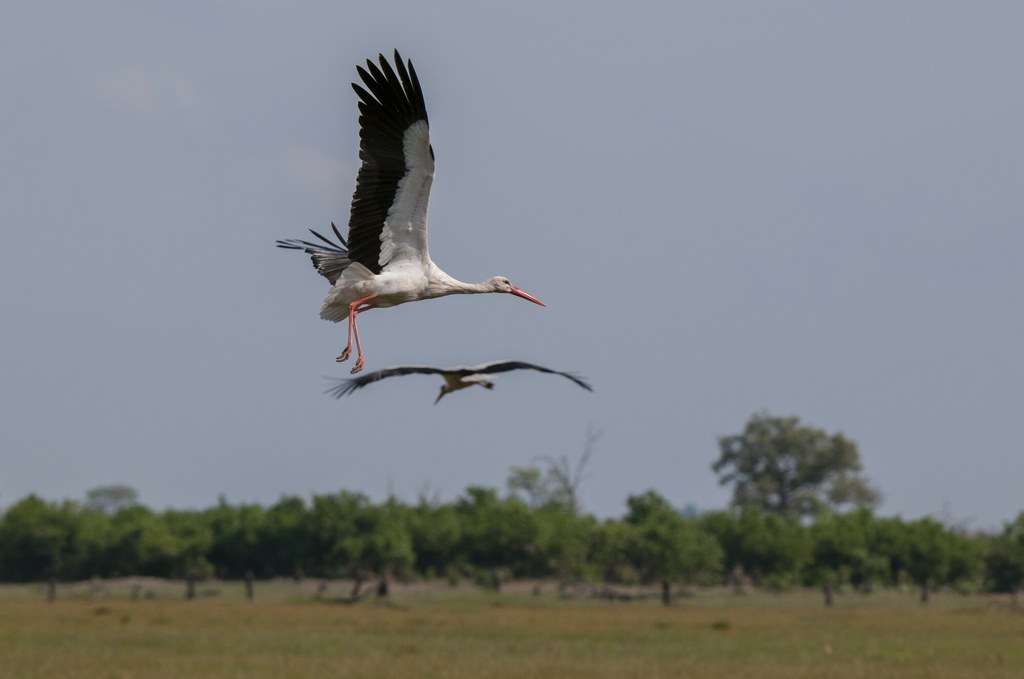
(527,296)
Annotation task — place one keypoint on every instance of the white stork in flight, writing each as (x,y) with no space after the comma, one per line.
(455,378)
(385,261)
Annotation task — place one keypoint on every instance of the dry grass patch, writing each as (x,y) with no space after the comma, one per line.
(505,636)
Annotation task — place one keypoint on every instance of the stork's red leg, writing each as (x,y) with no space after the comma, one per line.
(359,350)
(348,345)
(353,329)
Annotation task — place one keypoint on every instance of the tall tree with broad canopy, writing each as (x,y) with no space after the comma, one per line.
(783,467)
(110,499)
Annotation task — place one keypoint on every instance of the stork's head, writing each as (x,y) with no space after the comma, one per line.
(502,284)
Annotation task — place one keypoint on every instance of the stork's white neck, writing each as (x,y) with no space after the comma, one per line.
(442,284)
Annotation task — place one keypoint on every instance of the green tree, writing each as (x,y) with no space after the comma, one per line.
(88,544)
(1004,562)
(782,467)
(335,541)
(192,538)
(36,540)
(140,543)
(436,532)
(386,547)
(285,538)
(929,550)
(664,547)
(770,548)
(351,536)
(564,543)
(967,561)
(842,552)
(612,541)
(496,534)
(890,542)
(236,532)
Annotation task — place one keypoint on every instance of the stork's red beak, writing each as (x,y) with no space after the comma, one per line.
(519,293)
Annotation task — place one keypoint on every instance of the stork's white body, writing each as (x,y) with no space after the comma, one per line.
(386,260)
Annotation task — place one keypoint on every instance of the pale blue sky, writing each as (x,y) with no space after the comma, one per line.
(810,208)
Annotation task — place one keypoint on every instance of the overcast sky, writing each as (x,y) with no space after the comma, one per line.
(809,209)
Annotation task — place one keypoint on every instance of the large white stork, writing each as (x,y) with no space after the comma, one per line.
(455,378)
(385,261)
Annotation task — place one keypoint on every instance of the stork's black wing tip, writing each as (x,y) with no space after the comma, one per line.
(341,387)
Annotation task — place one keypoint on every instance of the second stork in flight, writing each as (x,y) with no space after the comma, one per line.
(455,378)
(385,261)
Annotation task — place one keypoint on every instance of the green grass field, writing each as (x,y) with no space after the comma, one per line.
(440,632)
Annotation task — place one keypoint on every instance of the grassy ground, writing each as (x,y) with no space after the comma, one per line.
(441,632)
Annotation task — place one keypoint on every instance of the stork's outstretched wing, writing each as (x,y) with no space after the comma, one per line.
(388,222)
(344,387)
(506,366)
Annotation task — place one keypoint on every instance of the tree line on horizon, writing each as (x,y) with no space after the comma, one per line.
(801,515)
(486,537)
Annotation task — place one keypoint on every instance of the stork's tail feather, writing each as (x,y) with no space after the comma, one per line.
(335,313)
(330,260)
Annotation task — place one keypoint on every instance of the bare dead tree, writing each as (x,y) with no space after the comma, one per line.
(566,477)
(428,496)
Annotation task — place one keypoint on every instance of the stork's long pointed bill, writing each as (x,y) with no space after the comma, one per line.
(525,295)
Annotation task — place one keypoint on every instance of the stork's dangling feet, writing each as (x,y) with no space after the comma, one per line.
(353,329)
(348,352)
